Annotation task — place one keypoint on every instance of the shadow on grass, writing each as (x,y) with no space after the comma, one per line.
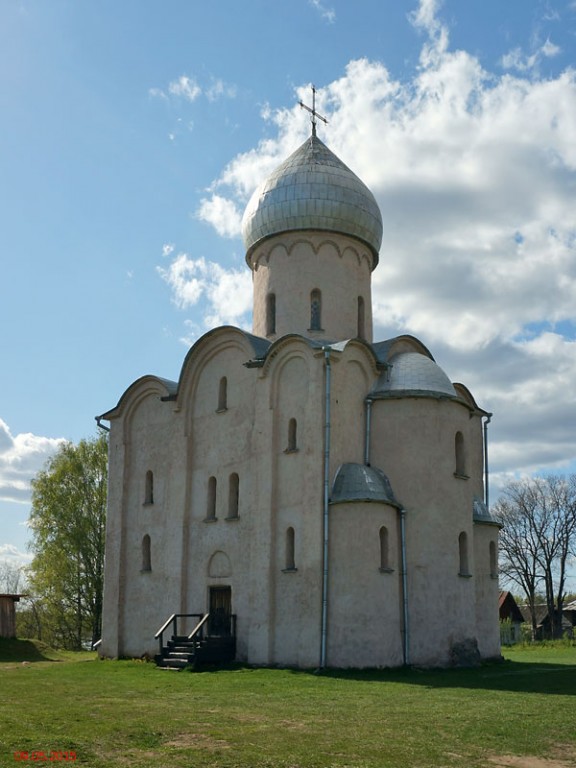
(514,676)
(14,650)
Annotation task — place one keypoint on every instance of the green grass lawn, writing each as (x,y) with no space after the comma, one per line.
(128,713)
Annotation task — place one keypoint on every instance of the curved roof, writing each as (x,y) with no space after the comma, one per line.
(313,189)
(413,373)
(358,482)
(481,513)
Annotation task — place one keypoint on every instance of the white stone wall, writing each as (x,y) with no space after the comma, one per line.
(340,267)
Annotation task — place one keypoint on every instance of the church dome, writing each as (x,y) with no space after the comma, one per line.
(312,189)
(413,373)
(358,482)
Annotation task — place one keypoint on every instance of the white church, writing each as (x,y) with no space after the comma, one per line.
(312,494)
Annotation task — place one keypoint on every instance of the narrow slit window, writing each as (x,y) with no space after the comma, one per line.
(290,550)
(493,560)
(460,455)
(361,320)
(146,554)
(270,314)
(384,549)
(149,490)
(463,554)
(292,435)
(233,496)
(211,499)
(223,394)
(315,310)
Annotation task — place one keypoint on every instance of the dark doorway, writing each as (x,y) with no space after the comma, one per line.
(220,611)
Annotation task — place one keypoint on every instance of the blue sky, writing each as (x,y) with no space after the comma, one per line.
(133,133)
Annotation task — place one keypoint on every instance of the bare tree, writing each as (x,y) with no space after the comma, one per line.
(11,578)
(538,538)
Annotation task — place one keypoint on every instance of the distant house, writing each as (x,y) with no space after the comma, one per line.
(543,622)
(511,615)
(570,612)
(8,615)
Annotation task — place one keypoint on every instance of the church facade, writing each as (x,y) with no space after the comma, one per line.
(325,489)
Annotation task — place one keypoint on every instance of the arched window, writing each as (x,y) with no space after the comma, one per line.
(146,555)
(361,324)
(463,554)
(460,455)
(384,549)
(211,499)
(292,435)
(233,495)
(315,310)
(290,554)
(149,489)
(493,560)
(270,314)
(223,394)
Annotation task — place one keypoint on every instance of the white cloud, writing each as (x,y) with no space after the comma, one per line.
(186,87)
(219,89)
(327,13)
(189,89)
(223,214)
(518,60)
(227,293)
(474,172)
(12,557)
(21,457)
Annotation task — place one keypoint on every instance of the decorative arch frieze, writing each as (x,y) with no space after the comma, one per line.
(316,241)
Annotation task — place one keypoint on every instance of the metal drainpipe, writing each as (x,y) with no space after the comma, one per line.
(324,624)
(368,430)
(406,647)
(100,425)
(486,474)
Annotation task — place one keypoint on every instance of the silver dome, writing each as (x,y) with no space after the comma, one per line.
(313,189)
(358,482)
(412,372)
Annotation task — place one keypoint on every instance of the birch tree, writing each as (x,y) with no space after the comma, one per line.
(68,525)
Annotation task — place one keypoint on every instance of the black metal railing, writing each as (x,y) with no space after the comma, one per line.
(174,621)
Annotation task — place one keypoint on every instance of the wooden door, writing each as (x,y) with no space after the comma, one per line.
(220,610)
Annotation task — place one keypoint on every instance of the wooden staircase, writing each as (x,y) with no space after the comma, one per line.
(197,648)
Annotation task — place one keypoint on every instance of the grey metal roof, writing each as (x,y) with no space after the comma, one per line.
(358,482)
(481,513)
(413,373)
(313,189)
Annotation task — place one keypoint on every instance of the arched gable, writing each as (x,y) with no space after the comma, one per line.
(150,390)
(465,394)
(235,348)
(405,343)
(362,353)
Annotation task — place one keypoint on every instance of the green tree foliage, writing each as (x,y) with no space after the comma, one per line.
(68,525)
(538,539)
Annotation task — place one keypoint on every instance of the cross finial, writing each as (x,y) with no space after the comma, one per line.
(313,111)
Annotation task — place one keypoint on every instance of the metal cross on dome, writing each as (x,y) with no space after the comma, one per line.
(313,111)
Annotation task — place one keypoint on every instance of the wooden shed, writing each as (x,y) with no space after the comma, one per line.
(8,614)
